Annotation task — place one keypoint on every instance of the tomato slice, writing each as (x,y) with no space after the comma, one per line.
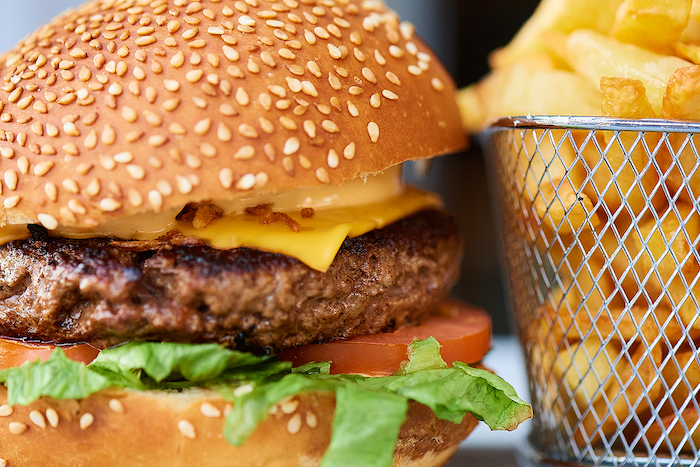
(463,331)
(13,352)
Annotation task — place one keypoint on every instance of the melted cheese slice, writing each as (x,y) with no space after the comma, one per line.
(320,237)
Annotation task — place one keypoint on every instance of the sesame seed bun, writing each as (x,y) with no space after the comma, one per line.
(123,107)
(119,428)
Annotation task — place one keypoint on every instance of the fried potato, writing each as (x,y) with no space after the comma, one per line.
(626,158)
(555,15)
(529,88)
(679,430)
(691,33)
(632,388)
(682,99)
(653,24)
(596,56)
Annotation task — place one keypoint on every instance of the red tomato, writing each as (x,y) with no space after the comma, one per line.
(463,331)
(14,353)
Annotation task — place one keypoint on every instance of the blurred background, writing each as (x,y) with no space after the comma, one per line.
(462,32)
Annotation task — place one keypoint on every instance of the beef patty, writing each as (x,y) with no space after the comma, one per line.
(106,292)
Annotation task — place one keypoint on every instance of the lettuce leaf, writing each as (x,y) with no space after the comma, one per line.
(59,377)
(365,427)
(369,411)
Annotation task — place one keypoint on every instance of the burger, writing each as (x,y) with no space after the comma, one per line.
(208,254)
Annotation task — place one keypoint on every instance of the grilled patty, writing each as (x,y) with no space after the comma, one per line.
(105,292)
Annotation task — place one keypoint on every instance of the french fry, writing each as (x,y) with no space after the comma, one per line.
(530,88)
(635,388)
(681,100)
(686,51)
(677,158)
(555,15)
(627,161)
(682,375)
(653,24)
(679,430)
(596,56)
(691,34)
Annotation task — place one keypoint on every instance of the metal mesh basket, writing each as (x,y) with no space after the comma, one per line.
(600,225)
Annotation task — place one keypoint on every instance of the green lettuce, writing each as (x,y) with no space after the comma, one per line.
(369,411)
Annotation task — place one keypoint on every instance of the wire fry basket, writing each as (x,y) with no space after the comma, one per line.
(600,223)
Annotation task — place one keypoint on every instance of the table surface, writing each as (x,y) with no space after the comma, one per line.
(486,448)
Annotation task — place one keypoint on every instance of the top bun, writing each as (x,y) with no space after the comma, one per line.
(129,106)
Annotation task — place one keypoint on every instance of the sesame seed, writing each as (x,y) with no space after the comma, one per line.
(291,146)
(289,406)
(248,131)
(109,205)
(369,75)
(379,58)
(355,90)
(330,126)
(42,168)
(194,75)
(12,201)
(310,128)
(145,40)
(11,179)
(186,429)
(6,410)
(171,85)
(393,78)
(226,178)
(37,418)
(202,127)
(349,151)
(322,175)
(124,157)
(52,417)
(86,419)
(209,410)
(246,20)
(155,199)
(136,171)
(294,424)
(311,419)
(92,189)
(373,130)
(415,70)
(75,206)
(129,114)
(230,53)
(309,89)
(116,406)
(7,153)
(164,187)
(335,52)
(375,101)
(244,153)
(437,84)
(17,428)
(208,150)
(333,159)
(171,104)
(136,199)
(246,182)
(242,97)
(395,51)
(48,221)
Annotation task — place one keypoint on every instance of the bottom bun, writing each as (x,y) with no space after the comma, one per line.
(157,428)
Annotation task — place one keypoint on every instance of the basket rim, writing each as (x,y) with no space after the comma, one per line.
(593,123)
